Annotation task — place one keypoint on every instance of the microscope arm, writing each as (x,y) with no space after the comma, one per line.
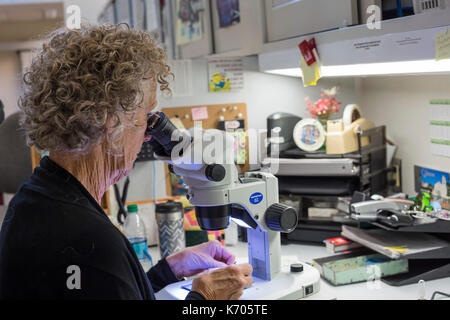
(219,193)
(253,199)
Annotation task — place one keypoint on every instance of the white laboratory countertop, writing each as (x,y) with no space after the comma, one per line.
(359,291)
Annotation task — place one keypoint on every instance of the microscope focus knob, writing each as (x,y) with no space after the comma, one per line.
(280,217)
(215,172)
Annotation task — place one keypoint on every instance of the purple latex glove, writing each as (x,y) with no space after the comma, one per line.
(194,260)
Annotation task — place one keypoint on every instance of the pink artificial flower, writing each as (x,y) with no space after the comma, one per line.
(325,106)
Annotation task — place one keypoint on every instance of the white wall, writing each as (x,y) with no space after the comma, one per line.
(263,93)
(402,103)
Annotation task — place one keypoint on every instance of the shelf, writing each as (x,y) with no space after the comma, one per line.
(404,39)
(232,53)
(426,20)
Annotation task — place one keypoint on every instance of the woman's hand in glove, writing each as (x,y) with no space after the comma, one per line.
(194,260)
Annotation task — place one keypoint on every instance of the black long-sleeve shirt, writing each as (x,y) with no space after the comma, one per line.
(56,242)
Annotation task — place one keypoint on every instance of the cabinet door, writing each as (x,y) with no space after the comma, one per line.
(244,37)
(197,48)
(123,12)
(291,18)
(107,15)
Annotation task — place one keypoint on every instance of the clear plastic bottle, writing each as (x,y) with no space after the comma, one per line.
(134,230)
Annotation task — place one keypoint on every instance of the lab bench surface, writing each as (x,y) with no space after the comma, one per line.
(376,290)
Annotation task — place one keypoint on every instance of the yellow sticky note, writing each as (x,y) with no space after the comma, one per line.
(310,73)
(442,45)
(398,249)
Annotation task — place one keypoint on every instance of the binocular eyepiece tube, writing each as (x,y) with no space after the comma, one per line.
(165,136)
(162,131)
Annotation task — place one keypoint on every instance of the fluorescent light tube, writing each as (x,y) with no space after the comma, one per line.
(291,72)
(370,69)
(387,68)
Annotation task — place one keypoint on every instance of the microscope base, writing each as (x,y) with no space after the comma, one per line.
(285,286)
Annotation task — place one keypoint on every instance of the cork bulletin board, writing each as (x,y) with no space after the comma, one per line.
(230,111)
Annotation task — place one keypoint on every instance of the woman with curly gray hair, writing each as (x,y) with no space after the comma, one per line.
(87,97)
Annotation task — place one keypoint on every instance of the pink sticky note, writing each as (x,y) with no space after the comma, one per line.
(199,113)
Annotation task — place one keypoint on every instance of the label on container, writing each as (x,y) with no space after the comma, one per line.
(139,246)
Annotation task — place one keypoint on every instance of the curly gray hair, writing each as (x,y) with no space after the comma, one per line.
(81,78)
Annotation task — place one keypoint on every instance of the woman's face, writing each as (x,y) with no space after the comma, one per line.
(134,135)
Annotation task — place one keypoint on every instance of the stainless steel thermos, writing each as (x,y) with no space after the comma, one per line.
(169,217)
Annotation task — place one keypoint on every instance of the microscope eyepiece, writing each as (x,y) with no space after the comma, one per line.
(161,129)
(165,136)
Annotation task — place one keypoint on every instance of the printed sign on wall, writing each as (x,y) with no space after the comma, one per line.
(225,74)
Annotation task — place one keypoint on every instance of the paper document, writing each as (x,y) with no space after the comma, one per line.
(393,244)
(443,45)
(200,113)
(440,127)
(310,74)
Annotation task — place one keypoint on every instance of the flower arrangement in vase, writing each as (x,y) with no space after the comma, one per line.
(324,107)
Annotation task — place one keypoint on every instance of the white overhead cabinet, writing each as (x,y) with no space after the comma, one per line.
(108,14)
(228,28)
(238,31)
(192,30)
(292,18)
(404,45)
(123,12)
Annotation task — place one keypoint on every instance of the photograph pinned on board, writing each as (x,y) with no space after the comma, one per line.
(229,13)
(189,26)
